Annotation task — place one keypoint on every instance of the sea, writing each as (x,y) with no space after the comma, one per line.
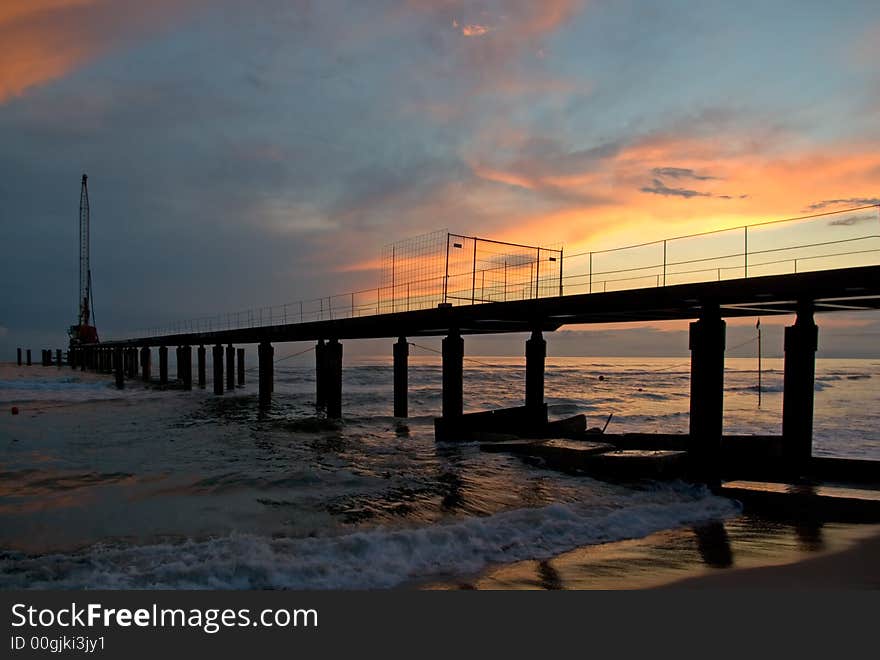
(146,488)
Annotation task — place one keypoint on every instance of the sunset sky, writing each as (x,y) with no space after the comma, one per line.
(244,154)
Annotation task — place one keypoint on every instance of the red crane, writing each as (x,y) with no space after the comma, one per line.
(84,332)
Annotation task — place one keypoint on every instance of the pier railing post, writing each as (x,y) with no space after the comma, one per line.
(453,374)
(217,355)
(707,343)
(801,343)
(200,356)
(266,365)
(536,354)
(401,378)
(333,378)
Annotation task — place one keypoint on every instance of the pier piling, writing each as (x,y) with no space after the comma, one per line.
(117,368)
(58,358)
(185,366)
(163,365)
(401,378)
(145,363)
(217,355)
(19,357)
(333,378)
(200,357)
(239,354)
(320,390)
(707,343)
(230,368)
(453,374)
(536,354)
(265,364)
(28,357)
(801,343)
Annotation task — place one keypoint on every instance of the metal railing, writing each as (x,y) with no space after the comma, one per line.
(822,241)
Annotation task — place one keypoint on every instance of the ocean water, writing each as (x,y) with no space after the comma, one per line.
(150,488)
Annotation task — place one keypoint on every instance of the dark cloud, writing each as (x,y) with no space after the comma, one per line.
(849,201)
(851,220)
(660,188)
(680,173)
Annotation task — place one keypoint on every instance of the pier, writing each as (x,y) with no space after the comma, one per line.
(489,287)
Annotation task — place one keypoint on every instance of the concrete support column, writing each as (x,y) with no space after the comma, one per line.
(230,368)
(117,368)
(178,358)
(536,354)
(163,365)
(707,343)
(453,375)
(217,355)
(401,378)
(266,364)
(146,367)
(201,366)
(58,358)
(28,355)
(19,357)
(333,378)
(320,389)
(239,354)
(801,342)
(185,366)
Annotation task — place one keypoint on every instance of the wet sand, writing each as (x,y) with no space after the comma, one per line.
(743,552)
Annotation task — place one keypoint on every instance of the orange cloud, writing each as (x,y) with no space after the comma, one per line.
(46,39)
(705,183)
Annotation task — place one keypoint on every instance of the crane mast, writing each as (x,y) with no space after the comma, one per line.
(84,315)
(84,332)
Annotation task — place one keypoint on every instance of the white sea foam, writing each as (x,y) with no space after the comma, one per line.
(378,558)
